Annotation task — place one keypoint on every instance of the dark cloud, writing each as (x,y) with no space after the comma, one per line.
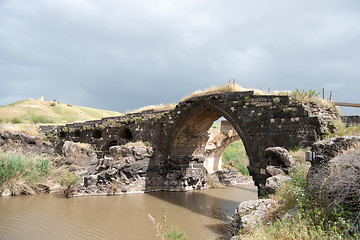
(122,55)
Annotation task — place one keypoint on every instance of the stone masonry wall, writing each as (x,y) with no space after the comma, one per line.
(178,136)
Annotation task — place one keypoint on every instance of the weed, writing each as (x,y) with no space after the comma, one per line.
(240,103)
(86,128)
(69,181)
(170,232)
(276,100)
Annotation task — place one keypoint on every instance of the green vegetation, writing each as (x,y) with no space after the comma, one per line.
(235,157)
(304,96)
(40,111)
(19,172)
(312,219)
(343,130)
(68,182)
(16,120)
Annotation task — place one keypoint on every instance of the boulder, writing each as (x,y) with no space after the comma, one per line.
(230,178)
(273,170)
(6,193)
(252,213)
(272,183)
(78,154)
(278,156)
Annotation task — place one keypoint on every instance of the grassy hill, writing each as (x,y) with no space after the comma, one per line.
(40,111)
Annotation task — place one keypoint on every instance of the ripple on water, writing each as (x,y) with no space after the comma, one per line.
(200,214)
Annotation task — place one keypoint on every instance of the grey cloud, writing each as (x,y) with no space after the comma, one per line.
(121,55)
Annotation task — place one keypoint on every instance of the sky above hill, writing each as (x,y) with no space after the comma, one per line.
(122,55)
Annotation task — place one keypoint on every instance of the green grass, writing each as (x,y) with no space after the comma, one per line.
(312,219)
(235,157)
(17,171)
(40,111)
(343,130)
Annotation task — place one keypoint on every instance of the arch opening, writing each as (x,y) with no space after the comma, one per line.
(225,149)
(193,142)
(62,134)
(125,133)
(77,133)
(96,133)
(108,145)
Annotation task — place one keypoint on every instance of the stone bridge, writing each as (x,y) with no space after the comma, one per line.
(179,136)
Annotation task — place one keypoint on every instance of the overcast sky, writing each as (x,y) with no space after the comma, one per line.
(121,55)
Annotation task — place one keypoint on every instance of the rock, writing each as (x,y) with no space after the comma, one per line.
(6,193)
(273,171)
(56,188)
(231,178)
(79,154)
(252,213)
(278,156)
(235,238)
(272,183)
(292,212)
(328,149)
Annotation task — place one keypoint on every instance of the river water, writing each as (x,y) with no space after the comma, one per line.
(200,214)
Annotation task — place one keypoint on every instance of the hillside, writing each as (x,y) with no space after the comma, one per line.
(40,111)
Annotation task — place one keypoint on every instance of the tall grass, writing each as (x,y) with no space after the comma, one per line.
(343,130)
(220,89)
(310,219)
(19,171)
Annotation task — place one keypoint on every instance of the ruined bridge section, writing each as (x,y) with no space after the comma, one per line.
(179,136)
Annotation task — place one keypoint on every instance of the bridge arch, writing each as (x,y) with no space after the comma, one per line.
(190,134)
(215,150)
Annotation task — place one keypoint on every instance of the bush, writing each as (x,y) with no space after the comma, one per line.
(16,120)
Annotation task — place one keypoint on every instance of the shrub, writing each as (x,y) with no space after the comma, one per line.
(69,181)
(16,120)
